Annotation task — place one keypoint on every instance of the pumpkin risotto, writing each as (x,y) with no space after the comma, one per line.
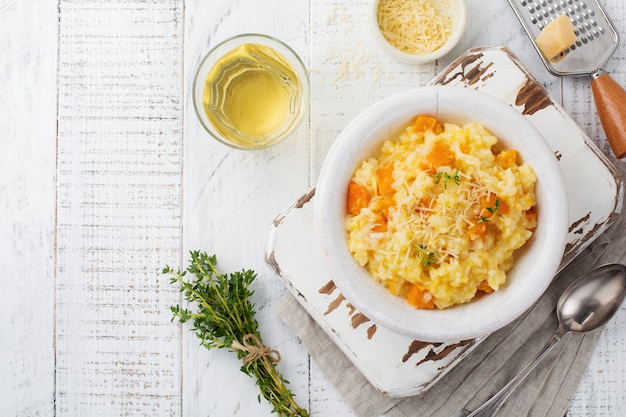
(437,216)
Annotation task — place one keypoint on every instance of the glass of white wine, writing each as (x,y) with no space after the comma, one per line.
(251,91)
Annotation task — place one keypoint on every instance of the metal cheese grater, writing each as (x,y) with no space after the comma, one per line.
(596,41)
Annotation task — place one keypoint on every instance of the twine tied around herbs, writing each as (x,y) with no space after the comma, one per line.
(255,350)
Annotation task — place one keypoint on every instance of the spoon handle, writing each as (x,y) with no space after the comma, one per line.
(493,404)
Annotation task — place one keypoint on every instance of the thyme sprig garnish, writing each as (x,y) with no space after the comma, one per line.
(492,210)
(456,178)
(426,256)
(225,318)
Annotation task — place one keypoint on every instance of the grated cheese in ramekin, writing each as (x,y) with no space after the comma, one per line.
(415,27)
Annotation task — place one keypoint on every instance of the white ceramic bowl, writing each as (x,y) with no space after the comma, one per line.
(536,263)
(459,19)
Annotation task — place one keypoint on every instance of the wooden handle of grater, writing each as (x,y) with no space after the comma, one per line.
(610,100)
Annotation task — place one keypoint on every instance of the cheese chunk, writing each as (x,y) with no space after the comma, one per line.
(556,37)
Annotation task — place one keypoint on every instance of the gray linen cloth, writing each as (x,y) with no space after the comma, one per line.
(546,392)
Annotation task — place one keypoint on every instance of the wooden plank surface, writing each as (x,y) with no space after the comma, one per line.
(118,207)
(230,198)
(28,88)
(106,176)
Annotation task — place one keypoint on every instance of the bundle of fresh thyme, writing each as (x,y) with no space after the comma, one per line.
(224,318)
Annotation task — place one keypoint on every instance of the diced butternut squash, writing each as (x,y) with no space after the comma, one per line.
(380,226)
(491,205)
(439,155)
(531,216)
(484,287)
(358,198)
(424,205)
(477,230)
(507,159)
(420,298)
(385,204)
(382,218)
(425,123)
(384,179)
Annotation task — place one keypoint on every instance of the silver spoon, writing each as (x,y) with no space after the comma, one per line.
(586,305)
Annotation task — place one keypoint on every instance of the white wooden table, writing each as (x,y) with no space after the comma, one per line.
(106,176)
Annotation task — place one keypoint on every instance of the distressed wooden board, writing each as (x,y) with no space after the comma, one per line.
(409,367)
(595,188)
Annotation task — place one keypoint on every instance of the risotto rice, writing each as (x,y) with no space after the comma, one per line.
(437,216)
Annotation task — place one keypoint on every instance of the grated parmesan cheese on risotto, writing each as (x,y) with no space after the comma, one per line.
(437,216)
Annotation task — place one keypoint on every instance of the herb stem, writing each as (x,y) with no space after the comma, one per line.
(225,318)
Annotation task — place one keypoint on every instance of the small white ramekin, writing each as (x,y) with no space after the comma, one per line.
(459,17)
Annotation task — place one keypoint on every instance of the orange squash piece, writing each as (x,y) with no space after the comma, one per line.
(531,215)
(425,123)
(384,178)
(439,155)
(507,159)
(358,198)
(386,203)
(381,224)
(477,231)
(492,205)
(420,298)
(484,287)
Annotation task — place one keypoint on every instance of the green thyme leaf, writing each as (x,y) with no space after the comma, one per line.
(426,257)
(456,178)
(494,210)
